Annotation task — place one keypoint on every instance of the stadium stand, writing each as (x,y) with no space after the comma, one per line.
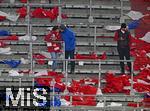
(95,86)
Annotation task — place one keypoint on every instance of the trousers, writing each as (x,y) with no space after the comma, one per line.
(124,52)
(70,54)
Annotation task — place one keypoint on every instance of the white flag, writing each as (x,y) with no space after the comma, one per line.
(114,104)
(5,50)
(24,61)
(135,15)
(146,37)
(143,82)
(27,38)
(50,62)
(49,28)
(3,13)
(148,55)
(81,63)
(100,104)
(13,18)
(65,102)
(14,73)
(10,17)
(41,73)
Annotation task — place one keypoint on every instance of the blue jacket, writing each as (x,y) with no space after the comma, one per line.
(68,37)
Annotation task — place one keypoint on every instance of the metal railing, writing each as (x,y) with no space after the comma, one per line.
(103,97)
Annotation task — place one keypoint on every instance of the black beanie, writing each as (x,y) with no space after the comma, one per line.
(62,27)
(123,25)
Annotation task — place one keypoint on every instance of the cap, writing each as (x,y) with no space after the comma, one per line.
(123,25)
(62,27)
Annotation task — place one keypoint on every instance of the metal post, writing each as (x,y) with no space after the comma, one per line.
(95,34)
(30,35)
(71,99)
(59,14)
(53,84)
(121,8)
(90,7)
(20,82)
(64,57)
(91,20)
(132,90)
(21,89)
(121,12)
(30,45)
(99,76)
(66,75)
(104,103)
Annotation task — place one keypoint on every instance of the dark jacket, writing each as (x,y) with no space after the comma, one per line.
(123,39)
(68,37)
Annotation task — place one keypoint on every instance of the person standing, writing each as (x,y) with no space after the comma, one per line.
(68,37)
(123,38)
(53,45)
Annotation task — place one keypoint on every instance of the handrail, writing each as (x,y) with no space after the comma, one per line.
(31,4)
(78,60)
(92,60)
(110,108)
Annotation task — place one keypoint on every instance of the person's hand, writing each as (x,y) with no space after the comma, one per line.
(53,37)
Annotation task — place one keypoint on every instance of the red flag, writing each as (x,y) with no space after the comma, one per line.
(22,12)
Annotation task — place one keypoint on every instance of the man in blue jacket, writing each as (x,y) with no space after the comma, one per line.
(68,37)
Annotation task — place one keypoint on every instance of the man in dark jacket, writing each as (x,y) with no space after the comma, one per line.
(123,38)
(68,37)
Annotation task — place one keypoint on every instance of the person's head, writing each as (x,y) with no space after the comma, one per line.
(55,28)
(123,26)
(62,27)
